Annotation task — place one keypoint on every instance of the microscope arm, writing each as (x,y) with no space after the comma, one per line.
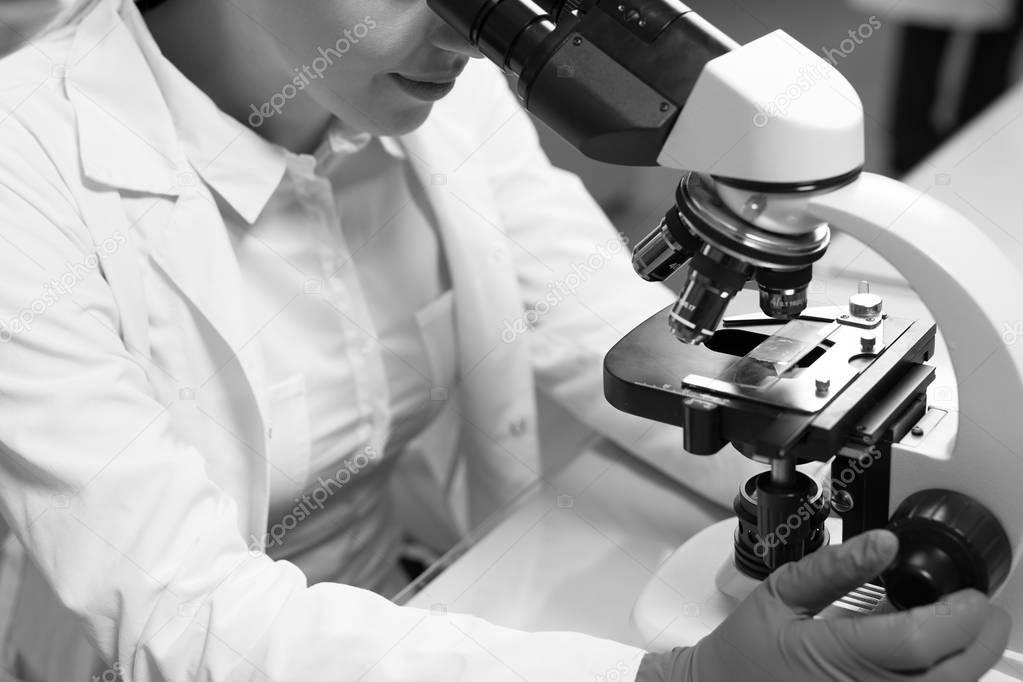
(975,294)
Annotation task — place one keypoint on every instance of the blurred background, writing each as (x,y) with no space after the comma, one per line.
(923,69)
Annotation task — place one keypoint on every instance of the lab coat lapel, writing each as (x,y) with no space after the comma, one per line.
(499,439)
(195,253)
(130,144)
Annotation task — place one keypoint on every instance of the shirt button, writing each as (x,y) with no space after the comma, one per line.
(518,427)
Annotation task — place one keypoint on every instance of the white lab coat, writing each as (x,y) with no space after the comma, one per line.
(134,474)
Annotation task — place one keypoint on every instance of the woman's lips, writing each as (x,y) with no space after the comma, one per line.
(428,91)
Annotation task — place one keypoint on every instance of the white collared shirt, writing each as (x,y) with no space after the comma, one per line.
(345,277)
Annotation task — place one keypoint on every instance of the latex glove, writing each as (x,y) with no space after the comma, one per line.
(773,635)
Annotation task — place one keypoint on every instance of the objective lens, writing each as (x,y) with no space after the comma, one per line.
(714,281)
(666,249)
(783,293)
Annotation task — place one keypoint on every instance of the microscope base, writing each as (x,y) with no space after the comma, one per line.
(696,588)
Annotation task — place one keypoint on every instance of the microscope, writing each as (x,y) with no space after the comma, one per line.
(771,140)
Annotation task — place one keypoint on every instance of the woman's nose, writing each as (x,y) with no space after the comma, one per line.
(446,38)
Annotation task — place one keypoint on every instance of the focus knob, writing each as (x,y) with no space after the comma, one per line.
(947,542)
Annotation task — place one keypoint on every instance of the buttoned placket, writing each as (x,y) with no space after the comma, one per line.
(343,290)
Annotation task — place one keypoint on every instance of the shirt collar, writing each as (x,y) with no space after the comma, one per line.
(340,141)
(168,123)
(242,167)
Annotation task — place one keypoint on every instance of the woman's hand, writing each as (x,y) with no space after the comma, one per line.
(774,636)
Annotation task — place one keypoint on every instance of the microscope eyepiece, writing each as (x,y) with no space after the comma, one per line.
(610,79)
(508,32)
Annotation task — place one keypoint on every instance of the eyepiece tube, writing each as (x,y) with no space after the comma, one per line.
(610,79)
(507,32)
(462,15)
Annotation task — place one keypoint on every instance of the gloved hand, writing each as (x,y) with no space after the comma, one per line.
(773,636)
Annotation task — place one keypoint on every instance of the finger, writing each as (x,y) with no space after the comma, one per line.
(828,574)
(919,638)
(981,656)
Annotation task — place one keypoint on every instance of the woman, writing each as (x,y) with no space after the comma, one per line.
(241,254)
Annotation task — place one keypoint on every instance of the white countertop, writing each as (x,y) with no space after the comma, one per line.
(577,551)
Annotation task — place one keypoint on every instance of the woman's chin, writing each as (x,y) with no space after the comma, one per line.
(396,122)
(406,121)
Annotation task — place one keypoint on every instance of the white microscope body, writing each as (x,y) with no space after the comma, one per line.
(780,115)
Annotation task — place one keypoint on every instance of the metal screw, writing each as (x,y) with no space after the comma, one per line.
(842,502)
(577,41)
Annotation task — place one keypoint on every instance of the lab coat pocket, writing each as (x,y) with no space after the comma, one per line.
(436,321)
(289,437)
